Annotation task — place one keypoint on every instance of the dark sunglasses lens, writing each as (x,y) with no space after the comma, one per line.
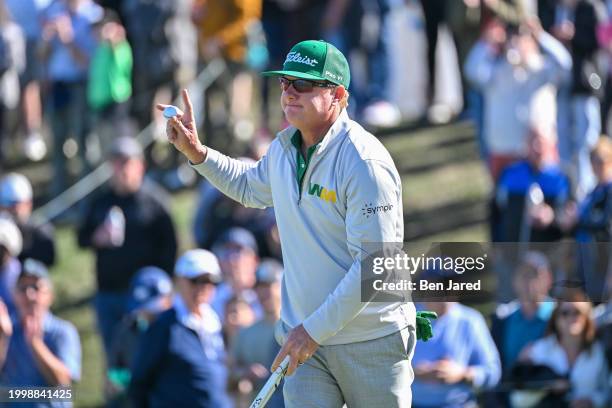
(300,85)
(303,86)
(569,313)
(24,288)
(200,281)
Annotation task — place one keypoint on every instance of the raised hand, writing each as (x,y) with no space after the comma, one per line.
(182,133)
(32,327)
(6,327)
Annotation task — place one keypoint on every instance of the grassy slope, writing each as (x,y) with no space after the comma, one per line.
(455,176)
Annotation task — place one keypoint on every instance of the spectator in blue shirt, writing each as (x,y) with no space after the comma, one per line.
(37,349)
(180,360)
(524,320)
(68,43)
(27,15)
(519,219)
(460,359)
(10,247)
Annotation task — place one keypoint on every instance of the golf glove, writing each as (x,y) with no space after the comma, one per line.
(423,325)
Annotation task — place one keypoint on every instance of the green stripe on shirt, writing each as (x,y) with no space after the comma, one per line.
(302,163)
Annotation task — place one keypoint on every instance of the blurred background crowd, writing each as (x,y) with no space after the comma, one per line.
(79,80)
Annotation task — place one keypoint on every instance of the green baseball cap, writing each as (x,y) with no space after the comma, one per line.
(316,60)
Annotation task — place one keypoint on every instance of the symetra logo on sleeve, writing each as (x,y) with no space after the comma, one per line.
(322,193)
(370,209)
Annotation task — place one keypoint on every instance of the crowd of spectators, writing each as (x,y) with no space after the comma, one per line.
(198,327)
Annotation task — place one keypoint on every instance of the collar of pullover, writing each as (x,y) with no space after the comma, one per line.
(333,135)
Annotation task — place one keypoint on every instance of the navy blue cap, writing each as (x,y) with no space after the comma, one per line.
(148,287)
(238,236)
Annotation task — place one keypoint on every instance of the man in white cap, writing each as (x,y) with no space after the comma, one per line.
(180,360)
(10,267)
(16,199)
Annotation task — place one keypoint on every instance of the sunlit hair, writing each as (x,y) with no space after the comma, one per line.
(344,101)
(585,307)
(602,150)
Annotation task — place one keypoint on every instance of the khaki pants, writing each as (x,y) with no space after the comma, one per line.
(370,374)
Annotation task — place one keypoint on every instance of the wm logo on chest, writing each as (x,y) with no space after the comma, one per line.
(322,193)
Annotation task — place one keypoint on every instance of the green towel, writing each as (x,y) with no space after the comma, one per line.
(110,75)
(119,377)
(423,325)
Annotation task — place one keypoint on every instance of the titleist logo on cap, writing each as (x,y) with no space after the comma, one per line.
(297,57)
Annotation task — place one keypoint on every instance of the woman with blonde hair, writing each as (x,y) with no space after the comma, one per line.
(570,349)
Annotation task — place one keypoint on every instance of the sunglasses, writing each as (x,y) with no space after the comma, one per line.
(201,281)
(569,313)
(35,287)
(303,85)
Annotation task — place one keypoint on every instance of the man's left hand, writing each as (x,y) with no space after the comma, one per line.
(451,372)
(299,346)
(542,215)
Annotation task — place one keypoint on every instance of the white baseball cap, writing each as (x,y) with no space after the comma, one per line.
(198,262)
(10,236)
(14,188)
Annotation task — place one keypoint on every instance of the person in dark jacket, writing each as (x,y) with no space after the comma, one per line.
(16,199)
(150,295)
(591,222)
(180,360)
(128,227)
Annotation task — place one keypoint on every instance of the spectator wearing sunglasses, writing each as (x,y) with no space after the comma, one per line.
(237,252)
(180,359)
(333,186)
(37,349)
(570,349)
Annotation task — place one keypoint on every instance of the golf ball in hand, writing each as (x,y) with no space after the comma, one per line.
(171,111)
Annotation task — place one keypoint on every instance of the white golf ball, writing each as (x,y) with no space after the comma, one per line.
(171,111)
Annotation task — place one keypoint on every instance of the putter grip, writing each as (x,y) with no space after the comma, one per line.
(271,385)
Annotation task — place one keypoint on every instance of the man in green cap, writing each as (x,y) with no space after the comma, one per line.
(321,175)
